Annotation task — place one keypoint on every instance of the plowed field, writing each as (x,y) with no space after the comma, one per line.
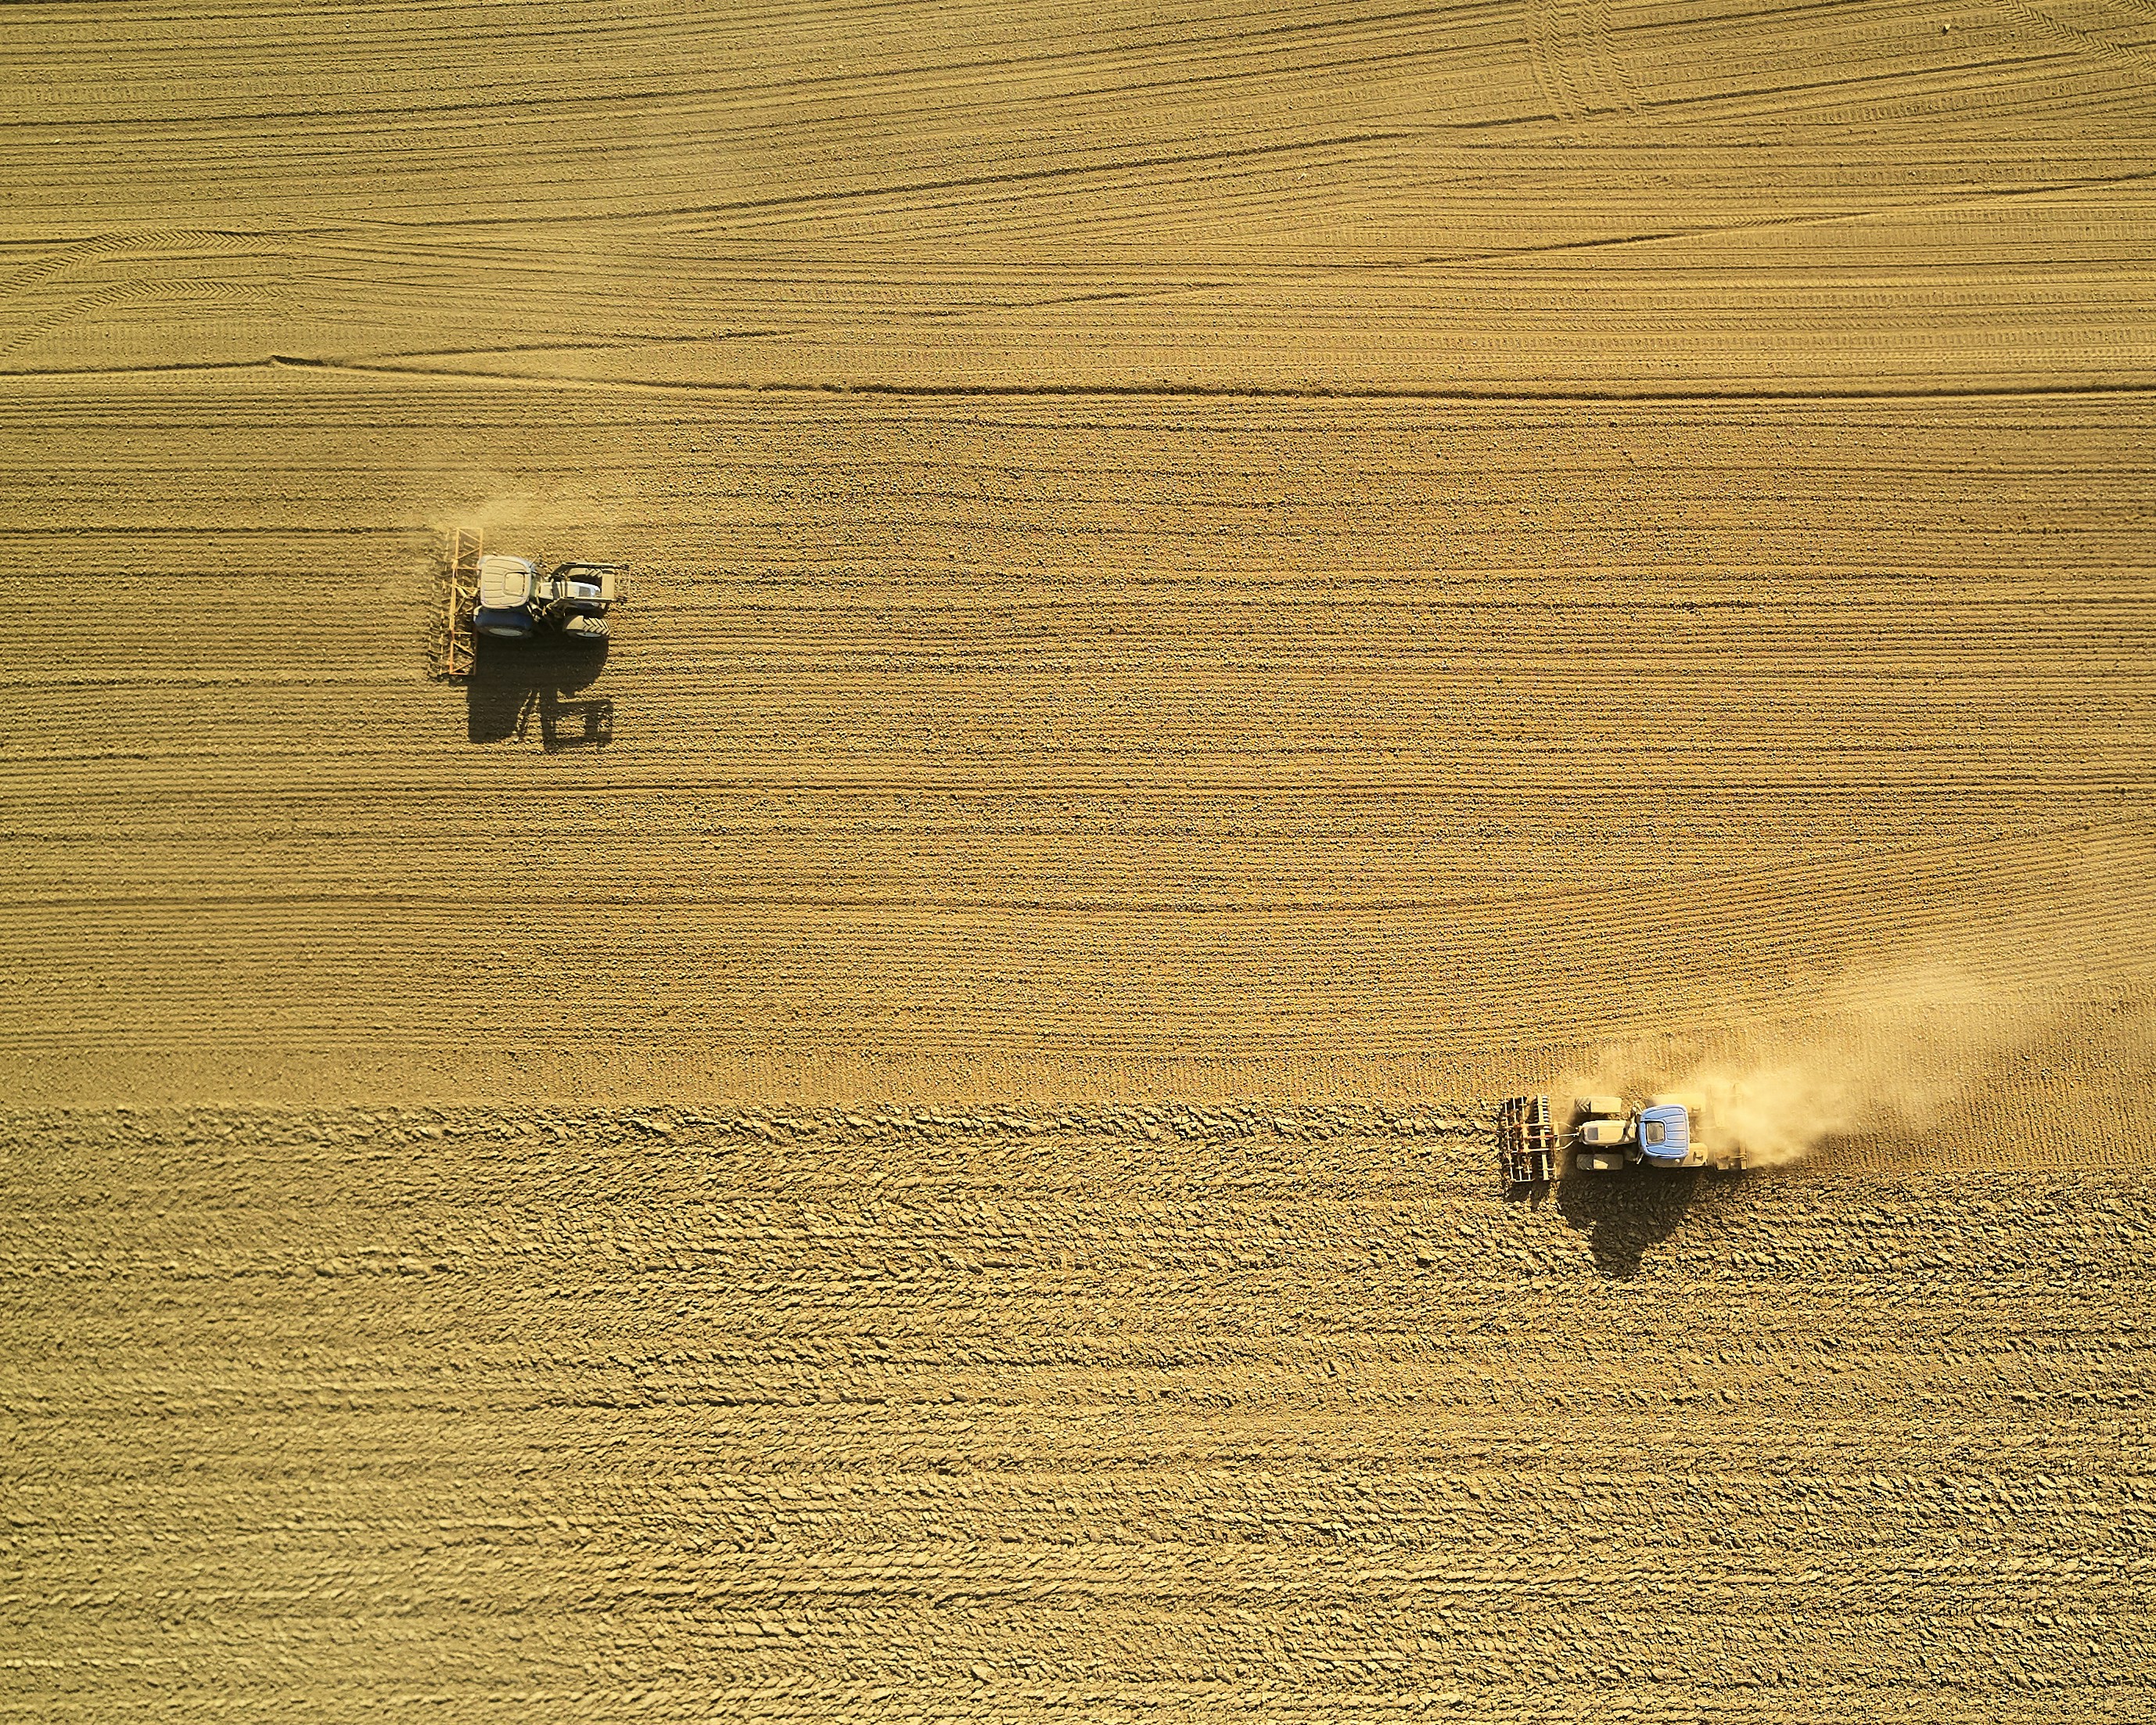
(1180,1413)
(1211,591)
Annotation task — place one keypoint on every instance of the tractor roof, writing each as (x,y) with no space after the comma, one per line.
(1674,1139)
(504,584)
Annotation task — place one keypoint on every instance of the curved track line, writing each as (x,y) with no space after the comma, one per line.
(89,305)
(78,253)
(2140,59)
(1575,63)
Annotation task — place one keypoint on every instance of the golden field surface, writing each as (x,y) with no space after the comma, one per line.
(1157,1412)
(1211,591)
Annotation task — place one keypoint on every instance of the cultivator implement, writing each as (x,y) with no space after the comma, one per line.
(455,650)
(1527,1141)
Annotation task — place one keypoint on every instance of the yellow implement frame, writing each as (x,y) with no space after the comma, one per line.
(457,651)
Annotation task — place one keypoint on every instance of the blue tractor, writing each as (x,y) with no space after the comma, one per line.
(508,598)
(1608,1133)
(516,601)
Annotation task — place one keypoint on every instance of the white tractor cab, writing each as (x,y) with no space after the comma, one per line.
(1663,1131)
(516,601)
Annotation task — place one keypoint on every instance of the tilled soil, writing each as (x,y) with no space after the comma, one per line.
(1088,750)
(1210,592)
(1160,1412)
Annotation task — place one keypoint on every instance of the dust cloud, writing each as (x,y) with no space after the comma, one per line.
(566,521)
(1896,1051)
(496,507)
(503,511)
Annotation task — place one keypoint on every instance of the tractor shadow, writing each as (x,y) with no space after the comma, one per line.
(516,685)
(1625,1215)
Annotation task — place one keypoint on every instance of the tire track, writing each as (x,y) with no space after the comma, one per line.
(223,296)
(1576,65)
(2141,60)
(80,254)
(162,249)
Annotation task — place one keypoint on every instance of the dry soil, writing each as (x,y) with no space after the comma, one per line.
(1212,589)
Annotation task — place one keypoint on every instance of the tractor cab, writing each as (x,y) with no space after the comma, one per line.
(1665,1132)
(508,598)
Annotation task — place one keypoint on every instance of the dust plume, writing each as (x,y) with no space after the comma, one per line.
(565,522)
(497,507)
(1896,1051)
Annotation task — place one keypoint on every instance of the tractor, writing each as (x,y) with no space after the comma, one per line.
(1609,1133)
(512,598)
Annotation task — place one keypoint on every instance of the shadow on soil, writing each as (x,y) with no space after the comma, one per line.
(513,683)
(1625,1215)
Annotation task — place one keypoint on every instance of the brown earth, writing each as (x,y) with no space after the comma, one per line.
(1334,561)
(1107,1414)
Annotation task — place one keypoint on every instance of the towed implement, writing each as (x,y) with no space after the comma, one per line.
(1527,1141)
(1608,1133)
(510,598)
